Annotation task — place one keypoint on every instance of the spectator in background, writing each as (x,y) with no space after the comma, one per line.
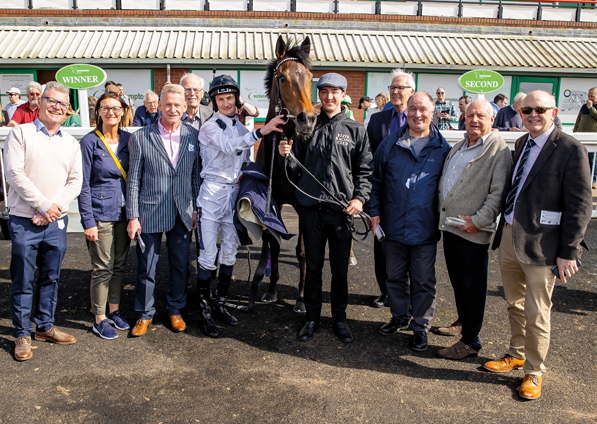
(92,101)
(365,103)
(463,102)
(14,95)
(245,110)
(71,118)
(444,111)
(382,100)
(586,121)
(346,102)
(508,118)
(196,113)
(126,98)
(148,114)
(3,118)
(498,103)
(28,112)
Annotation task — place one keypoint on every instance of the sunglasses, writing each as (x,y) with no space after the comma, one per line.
(540,110)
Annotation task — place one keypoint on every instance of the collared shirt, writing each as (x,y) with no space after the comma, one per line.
(444,123)
(195,122)
(398,120)
(24,115)
(459,161)
(533,154)
(171,142)
(11,108)
(41,127)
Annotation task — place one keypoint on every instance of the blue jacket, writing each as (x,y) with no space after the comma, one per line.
(144,119)
(405,188)
(103,185)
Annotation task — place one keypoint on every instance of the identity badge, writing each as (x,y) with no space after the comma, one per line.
(191,147)
(550,218)
(60,224)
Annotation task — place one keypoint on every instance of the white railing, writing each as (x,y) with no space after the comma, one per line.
(589,140)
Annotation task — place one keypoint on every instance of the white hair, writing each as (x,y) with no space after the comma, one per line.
(400,73)
(519,97)
(187,75)
(592,90)
(172,88)
(33,85)
(53,85)
(151,94)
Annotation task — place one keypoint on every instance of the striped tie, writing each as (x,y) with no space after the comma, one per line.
(515,185)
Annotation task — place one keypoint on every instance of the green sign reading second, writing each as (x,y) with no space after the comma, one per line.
(81,76)
(481,81)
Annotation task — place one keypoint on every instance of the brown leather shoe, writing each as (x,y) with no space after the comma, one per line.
(457,351)
(55,336)
(507,363)
(23,348)
(453,330)
(140,327)
(530,387)
(178,323)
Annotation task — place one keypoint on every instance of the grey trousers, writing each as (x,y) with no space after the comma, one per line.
(418,297)
(108,258)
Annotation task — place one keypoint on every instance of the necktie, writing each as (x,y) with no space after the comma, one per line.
(515,185)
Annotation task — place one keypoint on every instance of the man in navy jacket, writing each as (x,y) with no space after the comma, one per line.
(148,114)
(404,201)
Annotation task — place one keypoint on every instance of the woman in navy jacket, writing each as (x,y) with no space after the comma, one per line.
(102,209)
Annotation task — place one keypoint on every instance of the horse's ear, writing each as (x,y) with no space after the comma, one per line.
(280,48)
(306,45)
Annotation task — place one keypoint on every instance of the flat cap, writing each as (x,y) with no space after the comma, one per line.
(364,99)
(13,90)
(332,80)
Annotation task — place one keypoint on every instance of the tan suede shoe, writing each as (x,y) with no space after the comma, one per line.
(178,323)
(530,387)
(23,348)
(140,327)
(55,336)
(453,330)
(507,363)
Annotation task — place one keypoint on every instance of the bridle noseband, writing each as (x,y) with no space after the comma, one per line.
(280,107)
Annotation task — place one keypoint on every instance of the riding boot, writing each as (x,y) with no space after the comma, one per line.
(208,326)
(219,308)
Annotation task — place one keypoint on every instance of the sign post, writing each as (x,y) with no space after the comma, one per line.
(480,82)
(81,77)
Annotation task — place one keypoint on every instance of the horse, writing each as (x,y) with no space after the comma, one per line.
(288,85)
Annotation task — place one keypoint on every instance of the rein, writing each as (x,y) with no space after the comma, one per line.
(338,199)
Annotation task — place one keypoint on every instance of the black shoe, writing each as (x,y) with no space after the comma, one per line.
(208,325)
(220,312)
(308,330)
(392,326)
(343,332)
(419,343)
(381,301)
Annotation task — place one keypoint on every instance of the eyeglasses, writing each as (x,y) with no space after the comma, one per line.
(115,109)
(53,102)
(441,92)
(540,110)
(193,90)
(151,102)
(398,87)
(35,94)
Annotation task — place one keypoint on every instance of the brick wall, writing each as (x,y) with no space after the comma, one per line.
(160,75)
(356,88)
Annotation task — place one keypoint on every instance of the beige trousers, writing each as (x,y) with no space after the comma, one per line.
(528,290)
(108,258)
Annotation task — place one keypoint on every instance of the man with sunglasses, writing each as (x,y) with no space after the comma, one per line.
(444,111)
(28,112)
(44,170)
(14,95)
(546,211)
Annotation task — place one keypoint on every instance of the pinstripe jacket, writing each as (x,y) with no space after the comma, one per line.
(156,191)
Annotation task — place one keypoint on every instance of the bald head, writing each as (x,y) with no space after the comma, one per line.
(479,120)
(538,101)
(420,108)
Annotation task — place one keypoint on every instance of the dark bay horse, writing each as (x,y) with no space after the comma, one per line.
(288,84)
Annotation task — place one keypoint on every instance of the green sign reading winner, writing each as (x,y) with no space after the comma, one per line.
(81,76)
(481,81)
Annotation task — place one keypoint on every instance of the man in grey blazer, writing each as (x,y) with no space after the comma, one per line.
(196,113)
(163,182)
(546,211)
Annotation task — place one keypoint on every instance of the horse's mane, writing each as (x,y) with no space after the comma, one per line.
(292,50)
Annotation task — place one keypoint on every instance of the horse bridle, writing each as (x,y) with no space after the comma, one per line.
(280,107)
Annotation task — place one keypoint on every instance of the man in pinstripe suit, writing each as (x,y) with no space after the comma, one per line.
(162,184)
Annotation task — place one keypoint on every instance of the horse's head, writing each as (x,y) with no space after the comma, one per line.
(291,71)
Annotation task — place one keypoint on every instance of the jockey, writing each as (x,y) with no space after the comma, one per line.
(224,145)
